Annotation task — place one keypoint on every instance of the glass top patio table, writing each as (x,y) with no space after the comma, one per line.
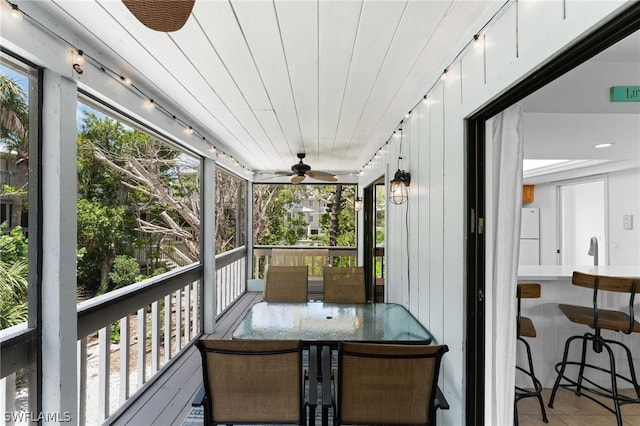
(331,322)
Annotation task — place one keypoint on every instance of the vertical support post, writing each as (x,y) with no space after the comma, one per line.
(208,245)
(59,240)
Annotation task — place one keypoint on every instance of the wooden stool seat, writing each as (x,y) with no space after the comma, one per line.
(527,329)
(607,319)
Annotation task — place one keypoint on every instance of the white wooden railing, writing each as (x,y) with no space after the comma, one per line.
(344,256)
(155,320)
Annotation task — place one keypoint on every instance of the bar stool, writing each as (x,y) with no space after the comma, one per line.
(599,319)
(525,328)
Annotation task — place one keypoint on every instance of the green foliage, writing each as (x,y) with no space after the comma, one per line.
(14,246)
(13,292)
(125,271)
(14,120)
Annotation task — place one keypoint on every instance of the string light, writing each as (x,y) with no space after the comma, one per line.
(476,42)
(78,59)
(16,13)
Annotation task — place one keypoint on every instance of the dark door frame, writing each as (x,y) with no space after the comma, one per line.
(369,237)
(598,39)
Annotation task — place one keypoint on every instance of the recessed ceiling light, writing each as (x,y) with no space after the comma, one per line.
(603,145)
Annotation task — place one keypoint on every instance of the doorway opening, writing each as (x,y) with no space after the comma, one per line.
(374,203)
(598,40)
(582,218)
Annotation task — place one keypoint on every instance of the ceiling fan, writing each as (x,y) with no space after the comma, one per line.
(300,171)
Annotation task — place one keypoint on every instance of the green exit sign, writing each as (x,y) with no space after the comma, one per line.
(624,94)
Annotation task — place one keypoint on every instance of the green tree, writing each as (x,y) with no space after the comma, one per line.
(14,141)
(13,276)
(338,223)
(102,234)
(126,271)
(135,192)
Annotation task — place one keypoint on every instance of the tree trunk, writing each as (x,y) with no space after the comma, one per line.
(335,222)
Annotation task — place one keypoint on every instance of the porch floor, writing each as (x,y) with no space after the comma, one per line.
(167,401)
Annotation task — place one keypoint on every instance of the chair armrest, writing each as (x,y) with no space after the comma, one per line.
(440,401)
(198,399)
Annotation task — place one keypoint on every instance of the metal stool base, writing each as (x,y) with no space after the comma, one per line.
(578,387)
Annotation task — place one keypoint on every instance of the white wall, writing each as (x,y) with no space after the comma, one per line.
(515,45)
(623,199)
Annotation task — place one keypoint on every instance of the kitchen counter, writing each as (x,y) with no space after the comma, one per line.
(559,272)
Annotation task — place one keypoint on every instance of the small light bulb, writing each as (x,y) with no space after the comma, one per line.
(125,80)
(188,130)
(149,104)
(78,57)
(78,61)
(444,74)
(16,13)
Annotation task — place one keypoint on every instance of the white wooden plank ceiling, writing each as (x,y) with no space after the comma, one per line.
(274,78)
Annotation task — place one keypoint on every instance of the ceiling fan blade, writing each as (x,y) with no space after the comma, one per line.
(297,179)
(328,177)
(283,173)
(161,15)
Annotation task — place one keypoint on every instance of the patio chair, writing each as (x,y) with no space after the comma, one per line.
(314,258)
(285,284)
(252,382)
(344,284)
(388,384)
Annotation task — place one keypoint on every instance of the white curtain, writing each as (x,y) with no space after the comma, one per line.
(505,196)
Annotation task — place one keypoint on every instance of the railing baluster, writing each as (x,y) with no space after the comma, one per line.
(8,397)
(195,308)
(178,319)
(155,338)
(104,355)
(125,357)
(167,328)
(187,313)
(142,346)
(82,381)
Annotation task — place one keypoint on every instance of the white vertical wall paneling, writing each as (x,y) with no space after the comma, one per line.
(453,282)
(404,229)
(501,44)
(410,163)
(423,184)
(530,35)
(395,235)
(436,200)
(471,70)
